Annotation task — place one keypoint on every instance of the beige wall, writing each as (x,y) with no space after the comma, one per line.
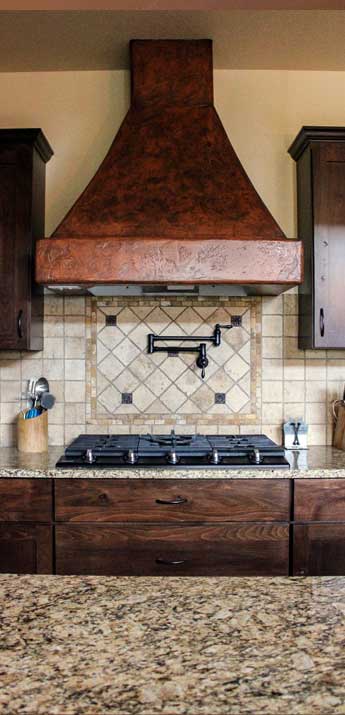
(261,111)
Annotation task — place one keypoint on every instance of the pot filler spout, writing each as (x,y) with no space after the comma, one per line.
(170,209)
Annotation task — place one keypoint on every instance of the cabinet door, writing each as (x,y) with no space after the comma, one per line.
(8,298)
(209,550)
(319,550)
(25,548)
(329,245)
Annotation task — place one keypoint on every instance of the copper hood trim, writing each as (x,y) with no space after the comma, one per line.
(168,261)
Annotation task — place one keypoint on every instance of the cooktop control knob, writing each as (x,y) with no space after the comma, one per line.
(256,456)
(215,456)
(131,456)
(172,457)
(89,456)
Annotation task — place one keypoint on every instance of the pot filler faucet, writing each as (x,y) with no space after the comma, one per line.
(202,359)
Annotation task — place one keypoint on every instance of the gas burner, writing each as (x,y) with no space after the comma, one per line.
(170,440)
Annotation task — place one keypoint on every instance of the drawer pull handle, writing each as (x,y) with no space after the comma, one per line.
(20,324)
(177,500)
(322,323)
(172,562)
(103,498)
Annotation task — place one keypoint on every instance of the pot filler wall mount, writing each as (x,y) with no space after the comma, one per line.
(171,209)
(202,359)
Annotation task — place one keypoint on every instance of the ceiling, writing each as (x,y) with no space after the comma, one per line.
(243,39)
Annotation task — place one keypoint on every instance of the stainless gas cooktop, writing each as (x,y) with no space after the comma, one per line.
(173,451)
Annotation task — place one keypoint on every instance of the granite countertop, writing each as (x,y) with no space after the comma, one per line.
(314,463)
(74,645)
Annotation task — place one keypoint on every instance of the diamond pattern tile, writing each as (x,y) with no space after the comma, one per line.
(110,399)
(109,336)
(127,351)
(162,386)
(236,367)
(110,367)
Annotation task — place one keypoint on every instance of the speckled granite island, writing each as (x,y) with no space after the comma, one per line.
(316,462)
(89,646)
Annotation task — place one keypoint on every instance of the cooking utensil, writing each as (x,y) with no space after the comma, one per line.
(41,386)
(35,411)
(42,399)
(47,400)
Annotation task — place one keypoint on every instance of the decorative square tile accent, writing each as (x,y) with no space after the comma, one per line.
(110,320)
(168,389)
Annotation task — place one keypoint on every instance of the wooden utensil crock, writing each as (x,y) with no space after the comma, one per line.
(339,424)
(32,434)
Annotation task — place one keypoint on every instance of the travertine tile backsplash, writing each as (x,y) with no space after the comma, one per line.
(130,387)
(104,381)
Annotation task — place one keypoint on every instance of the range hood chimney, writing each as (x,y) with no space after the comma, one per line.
(171,203)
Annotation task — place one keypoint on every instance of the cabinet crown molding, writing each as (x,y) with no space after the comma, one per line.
(309,135)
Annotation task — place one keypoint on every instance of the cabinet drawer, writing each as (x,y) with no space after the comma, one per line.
(25,499)
(319,550)
(215,550)
(158,500)
(320,500)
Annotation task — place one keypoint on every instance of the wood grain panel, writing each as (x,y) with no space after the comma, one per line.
(26,548)
(319,550)
(319,500)
(214,550)
(121,500)
(25,500)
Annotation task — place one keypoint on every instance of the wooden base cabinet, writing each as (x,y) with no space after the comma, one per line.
(319,529)
(171,527)
(156,527)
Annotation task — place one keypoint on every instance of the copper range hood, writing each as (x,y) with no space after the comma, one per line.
(171,206)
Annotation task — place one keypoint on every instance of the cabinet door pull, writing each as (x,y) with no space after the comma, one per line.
(20,324)
(177,500)
(322,323)
(168,562)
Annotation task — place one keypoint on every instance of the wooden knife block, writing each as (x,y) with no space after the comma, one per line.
(339,427)
(32,435)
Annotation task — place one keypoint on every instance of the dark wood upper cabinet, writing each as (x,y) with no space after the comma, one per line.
(23,155)
(320,156)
